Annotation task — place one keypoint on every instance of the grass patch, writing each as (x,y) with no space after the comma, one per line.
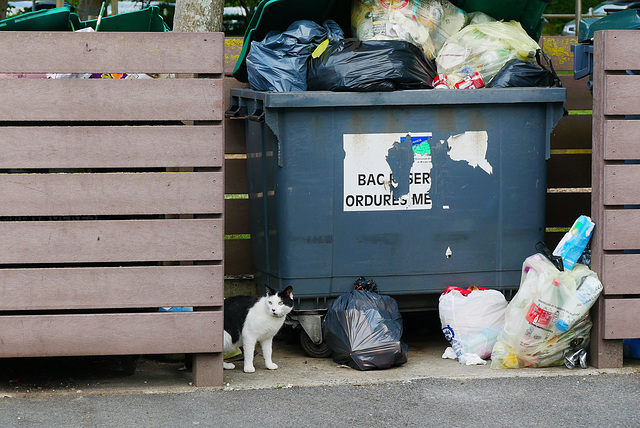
(557,229)
(238,236)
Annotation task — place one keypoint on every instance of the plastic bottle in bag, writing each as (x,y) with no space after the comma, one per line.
(586,294)
(545,308)
(484,48)
(424,23)
(574,242)
(517,330)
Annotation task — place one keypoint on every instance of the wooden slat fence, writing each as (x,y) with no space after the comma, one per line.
(112,196)
(569,168)
(238,243)
(616,195)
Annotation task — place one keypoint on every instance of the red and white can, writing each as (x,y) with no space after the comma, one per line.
(473,81)
(441,82)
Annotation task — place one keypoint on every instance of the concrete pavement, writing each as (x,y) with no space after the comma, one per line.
(163,374)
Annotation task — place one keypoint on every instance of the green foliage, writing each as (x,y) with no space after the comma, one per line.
(555,25)
(569,6)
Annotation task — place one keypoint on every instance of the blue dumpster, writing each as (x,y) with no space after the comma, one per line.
(418,190)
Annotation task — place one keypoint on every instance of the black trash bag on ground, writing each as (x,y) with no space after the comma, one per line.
(517,73)
(279,61)
(364,330)
(374,65)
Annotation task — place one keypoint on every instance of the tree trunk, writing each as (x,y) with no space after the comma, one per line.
(4,4)
(195,16)
(89,9)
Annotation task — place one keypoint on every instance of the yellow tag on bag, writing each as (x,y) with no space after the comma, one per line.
(320,49)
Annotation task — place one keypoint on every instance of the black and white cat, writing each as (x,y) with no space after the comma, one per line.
(251,319)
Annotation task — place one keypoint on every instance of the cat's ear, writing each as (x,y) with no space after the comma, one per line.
(288,292)
(269,291)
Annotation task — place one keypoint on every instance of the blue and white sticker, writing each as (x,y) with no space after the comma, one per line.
(387,172)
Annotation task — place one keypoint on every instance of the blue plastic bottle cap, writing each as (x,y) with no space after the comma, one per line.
(562,326)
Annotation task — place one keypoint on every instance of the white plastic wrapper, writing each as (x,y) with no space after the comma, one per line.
(484,48)
(471,321)
(424,23)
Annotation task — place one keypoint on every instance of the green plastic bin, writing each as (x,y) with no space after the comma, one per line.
(41,20)
(143,20)
(61,19)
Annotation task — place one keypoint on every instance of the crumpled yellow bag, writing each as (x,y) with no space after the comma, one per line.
(484,48)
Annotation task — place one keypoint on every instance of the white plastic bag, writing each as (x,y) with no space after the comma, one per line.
(471,321)
(484,48)
(425,23)
(547,317)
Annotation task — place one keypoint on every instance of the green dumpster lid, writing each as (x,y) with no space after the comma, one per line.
(279,14)
(60,19)
(143,20)
(527,12)
(56,19)
(624,20)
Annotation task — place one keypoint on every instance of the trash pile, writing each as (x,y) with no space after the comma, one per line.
(547,322)
(413,44)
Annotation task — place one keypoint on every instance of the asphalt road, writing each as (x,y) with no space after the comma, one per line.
(567,401)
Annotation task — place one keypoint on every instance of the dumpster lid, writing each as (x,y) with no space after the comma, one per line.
(55,19)
(624,20)
(403,98)
(527,12)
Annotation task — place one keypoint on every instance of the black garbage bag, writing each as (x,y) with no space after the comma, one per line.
(279,61)
(518,73)
(364,330)
(374,65)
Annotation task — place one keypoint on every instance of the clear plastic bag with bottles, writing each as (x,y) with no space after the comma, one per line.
(548,318)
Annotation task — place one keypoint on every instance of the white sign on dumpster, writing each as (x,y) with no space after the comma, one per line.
(387,172)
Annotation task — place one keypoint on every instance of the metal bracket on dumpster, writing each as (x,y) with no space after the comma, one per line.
(236,112)
(312,325)
(553,114)
(238,109)
(257,115)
